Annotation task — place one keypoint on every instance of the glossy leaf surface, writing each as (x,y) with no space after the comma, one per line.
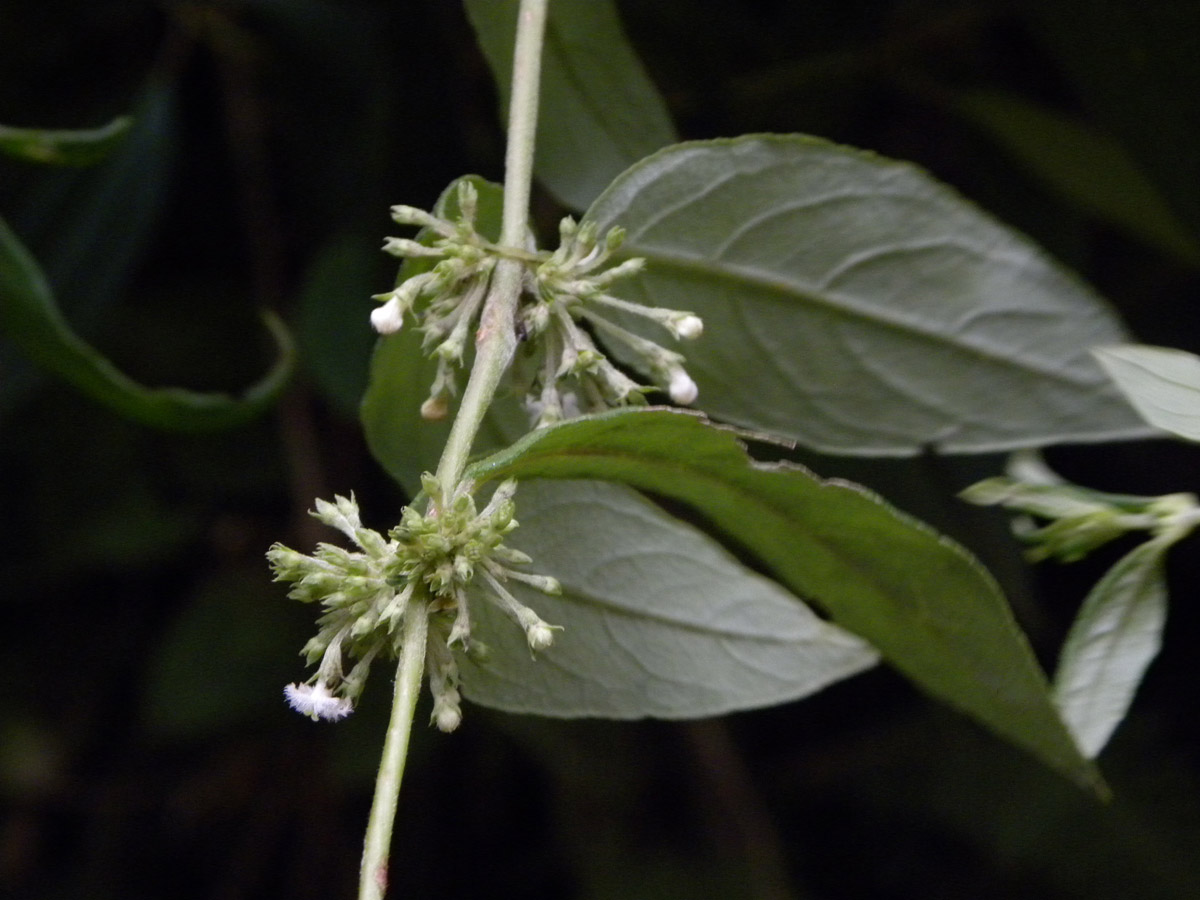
(928,607)
(599,112)
(658,619)
(879,312)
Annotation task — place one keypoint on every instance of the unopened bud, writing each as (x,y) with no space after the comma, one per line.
(447,718)
(389,318)
(540,636)
(688,328)
(434,408)
(682,389)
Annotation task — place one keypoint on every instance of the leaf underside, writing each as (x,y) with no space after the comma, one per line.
(878,311)
(1163,385)
(658,619)
(1113,640)
(922,601)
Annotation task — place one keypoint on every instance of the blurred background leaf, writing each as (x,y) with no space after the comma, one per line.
(63,147)
(600,113)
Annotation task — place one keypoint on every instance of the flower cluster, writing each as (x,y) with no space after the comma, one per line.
(440,557)
(564,306)
(447,298)
(1078,520)
(566,373)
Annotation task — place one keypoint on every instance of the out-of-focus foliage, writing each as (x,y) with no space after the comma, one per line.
(147,753)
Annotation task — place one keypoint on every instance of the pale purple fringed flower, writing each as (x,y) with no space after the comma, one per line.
(316,702)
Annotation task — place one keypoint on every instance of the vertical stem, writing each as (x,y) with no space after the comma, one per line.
(373,876)
(496,340)
(494,346)
(522,120)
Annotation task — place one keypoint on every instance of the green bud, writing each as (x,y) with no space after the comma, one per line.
(342,514)
(432,487)
(511,556)
(468,201)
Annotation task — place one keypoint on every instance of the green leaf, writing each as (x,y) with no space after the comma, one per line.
(879,312)
(31,318)
(599,111)
(1113,640)
(89,228)
(658,619)
(332,328)
(928,607)
(1162,384)
(402,441)
(223,660)
(1085,166)
(63,148)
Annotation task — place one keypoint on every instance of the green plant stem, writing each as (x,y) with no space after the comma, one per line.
(373,876)
(495,343)
(496,339)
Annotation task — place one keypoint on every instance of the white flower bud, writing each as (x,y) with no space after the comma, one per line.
(688,328)
(540,636)
(682,389)
(447,718)
(317,702)
(389,318)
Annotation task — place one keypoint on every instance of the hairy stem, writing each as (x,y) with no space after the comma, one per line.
(494,345)
(373,876)
(496,340)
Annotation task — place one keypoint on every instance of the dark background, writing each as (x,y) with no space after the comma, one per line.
(145,750)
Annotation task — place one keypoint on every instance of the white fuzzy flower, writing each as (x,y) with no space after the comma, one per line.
(681,388)
(389,318)
(317,702)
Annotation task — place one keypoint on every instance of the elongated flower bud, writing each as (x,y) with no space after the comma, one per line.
(389,318)
(681,388)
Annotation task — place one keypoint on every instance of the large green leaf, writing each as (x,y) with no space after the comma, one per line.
(658,619)
(1115,637)
(878,311)
(1084,165)
(921,600)
(599,112)
(80,147)
(30,317)
(1162,384)
(403,442)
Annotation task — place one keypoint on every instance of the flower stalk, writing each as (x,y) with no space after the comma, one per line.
(495,343)
(373,874)
(496,339)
